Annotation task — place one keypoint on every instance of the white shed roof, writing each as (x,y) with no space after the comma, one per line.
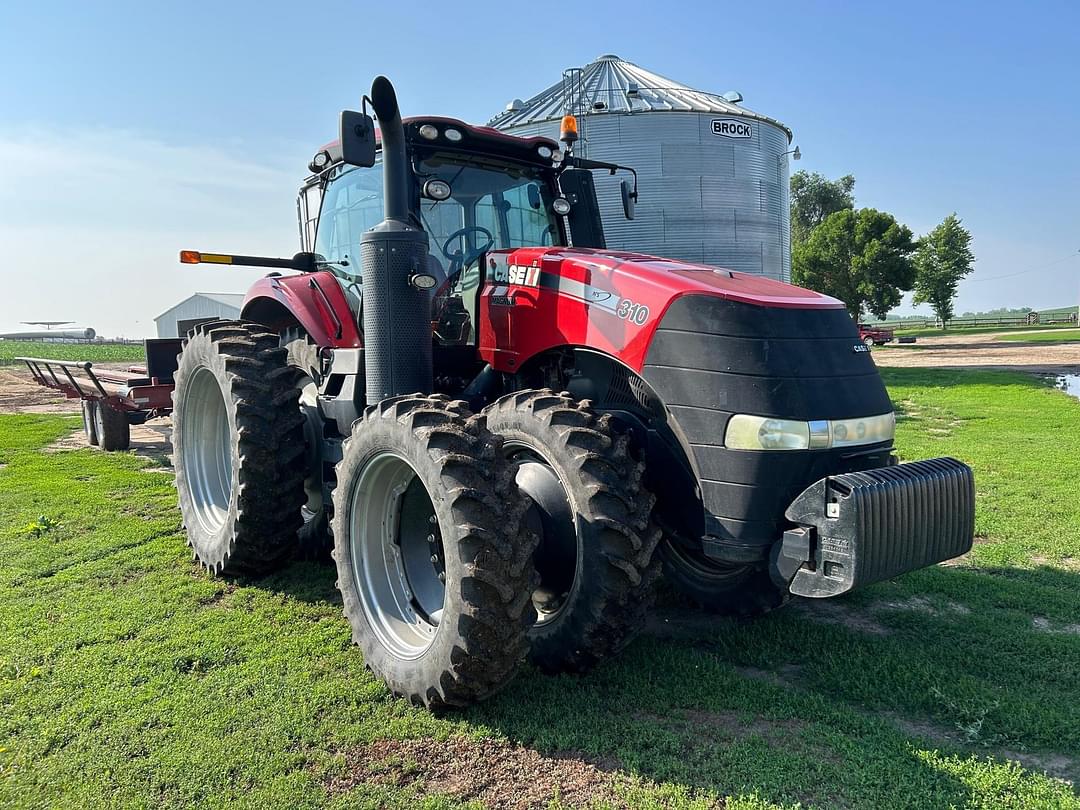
(234,300)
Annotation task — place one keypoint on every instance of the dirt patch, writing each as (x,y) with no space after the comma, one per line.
(497,774)
(830,611)
(1044,625)
(152,441)
(983,351)
(1057,766)
(920,604)
(20,394)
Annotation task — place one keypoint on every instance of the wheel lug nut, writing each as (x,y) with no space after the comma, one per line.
(442,578)
(431,538)
(434,558)
(431,519)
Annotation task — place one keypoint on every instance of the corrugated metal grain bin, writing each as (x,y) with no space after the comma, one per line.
(713,175)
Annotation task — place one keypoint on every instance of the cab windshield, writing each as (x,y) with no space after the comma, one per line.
(491,206)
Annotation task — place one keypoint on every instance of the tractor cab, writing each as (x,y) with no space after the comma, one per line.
(471,189)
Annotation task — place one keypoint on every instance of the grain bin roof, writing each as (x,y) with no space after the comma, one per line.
(622,87)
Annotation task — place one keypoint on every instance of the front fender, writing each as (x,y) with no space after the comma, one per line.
(315,301)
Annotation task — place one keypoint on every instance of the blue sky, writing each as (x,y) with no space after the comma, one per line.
(129,130)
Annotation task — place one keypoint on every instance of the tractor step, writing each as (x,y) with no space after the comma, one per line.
(858,528)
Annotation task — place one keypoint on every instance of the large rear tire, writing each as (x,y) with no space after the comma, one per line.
(111,428)
(728,590)
(238,445)
(434,572)
(593,512)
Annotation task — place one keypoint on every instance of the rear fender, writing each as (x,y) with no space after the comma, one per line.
(314,301)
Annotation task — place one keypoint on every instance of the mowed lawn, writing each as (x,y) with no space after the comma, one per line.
(129,678)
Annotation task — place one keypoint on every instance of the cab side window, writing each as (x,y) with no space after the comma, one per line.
(352,204)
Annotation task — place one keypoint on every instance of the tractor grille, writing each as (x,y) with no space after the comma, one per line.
(712,358)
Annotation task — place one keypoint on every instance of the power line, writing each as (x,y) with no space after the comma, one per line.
(1029,270)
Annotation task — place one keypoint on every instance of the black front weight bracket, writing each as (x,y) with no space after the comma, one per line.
(858,528)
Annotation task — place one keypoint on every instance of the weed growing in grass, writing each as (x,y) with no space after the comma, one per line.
(42,526)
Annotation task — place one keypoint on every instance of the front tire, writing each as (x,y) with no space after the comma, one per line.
(727,590)
(238,444)
(435,574)
(593,511)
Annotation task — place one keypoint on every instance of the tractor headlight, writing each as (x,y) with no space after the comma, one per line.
(429,131)
(746,432)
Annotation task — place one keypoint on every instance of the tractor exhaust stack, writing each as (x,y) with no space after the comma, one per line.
(397,315)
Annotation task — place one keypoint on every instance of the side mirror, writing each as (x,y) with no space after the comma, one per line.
(629,199)
(533,192)
(357,135)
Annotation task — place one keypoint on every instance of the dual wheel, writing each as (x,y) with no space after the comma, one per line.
(104,426)
(463,542)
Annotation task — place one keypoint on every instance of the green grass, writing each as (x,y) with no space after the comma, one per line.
(975,330)
(1063,336)
(128,678)
(94,352)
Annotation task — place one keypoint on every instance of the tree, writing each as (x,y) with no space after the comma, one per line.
(943,258)
(861,257)
(813,198)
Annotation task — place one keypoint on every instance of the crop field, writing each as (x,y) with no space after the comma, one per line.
(130,678)
(1064,336)
(94,352)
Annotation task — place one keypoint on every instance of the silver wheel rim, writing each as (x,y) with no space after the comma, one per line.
(532,467)
(397,555)
(207,450)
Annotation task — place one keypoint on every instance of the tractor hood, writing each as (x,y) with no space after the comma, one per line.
(680,278)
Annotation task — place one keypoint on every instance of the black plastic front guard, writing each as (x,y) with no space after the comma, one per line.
(858,528)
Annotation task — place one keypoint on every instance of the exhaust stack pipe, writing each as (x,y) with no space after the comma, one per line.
(397,315)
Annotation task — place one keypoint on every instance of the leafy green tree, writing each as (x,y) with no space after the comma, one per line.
(813,198)
(943,258)
(861,257)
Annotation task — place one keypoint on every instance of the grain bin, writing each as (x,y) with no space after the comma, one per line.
(713,174)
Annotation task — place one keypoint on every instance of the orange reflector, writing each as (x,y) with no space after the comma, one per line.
(190,257)
(215,258)
(568,130)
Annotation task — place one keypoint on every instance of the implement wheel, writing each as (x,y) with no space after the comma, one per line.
(89,421)
(435,575)
(111,428)
(238,445)
(592,511)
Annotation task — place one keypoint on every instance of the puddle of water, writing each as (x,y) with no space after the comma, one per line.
(1070,384)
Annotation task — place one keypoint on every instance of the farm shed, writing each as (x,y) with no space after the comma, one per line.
(198,308)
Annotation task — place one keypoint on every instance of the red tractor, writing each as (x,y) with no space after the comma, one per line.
(508,430)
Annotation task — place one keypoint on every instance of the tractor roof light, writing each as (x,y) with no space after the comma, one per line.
(429,132)
(561,206)
(544,151)
(568,131)
(453,135)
